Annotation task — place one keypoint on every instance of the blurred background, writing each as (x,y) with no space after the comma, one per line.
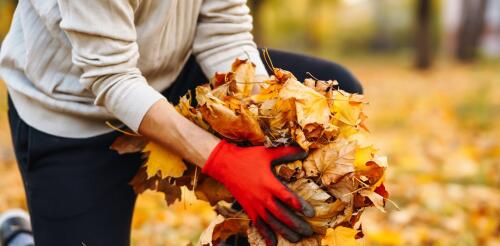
(431,71)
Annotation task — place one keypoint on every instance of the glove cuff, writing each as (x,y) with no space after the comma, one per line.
(210,163)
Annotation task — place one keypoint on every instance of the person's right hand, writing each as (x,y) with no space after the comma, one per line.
(247,173)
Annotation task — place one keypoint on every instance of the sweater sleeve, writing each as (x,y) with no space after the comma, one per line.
(224,34)
(103,39)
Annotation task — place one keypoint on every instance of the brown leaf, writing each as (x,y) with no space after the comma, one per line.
(372,172)
(141,183)
(208,189)
(125,144)
(325,209)
(237,127)
(229,227)
(188,177)
(172,192)
(332,161)
(206,237)
(344,188)
(255,239)
(290,170)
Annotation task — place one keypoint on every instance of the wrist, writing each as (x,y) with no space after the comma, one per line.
(212,159)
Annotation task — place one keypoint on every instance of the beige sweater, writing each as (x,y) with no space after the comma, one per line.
(71,65)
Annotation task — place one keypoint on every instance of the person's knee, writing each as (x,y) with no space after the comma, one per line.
(347,81)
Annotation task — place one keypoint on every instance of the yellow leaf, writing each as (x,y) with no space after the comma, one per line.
(345,108)
(163,161)
(362,156)
(340,236)
(312,107)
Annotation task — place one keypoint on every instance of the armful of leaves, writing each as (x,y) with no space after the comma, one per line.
(341,176)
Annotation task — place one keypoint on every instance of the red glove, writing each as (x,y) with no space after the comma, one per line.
(247,174)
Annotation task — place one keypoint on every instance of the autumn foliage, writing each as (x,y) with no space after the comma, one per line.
(340,177)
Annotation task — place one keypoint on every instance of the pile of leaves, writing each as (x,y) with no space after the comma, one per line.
(340,177)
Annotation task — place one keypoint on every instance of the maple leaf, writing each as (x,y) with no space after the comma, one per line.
(311,106)
(346,107)
(343,189)
(141,182)
(340,236)
(163,161)
(362,156)
(332,161)
(208,189)
(172,192)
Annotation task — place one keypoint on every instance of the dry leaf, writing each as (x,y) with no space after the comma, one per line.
(206,235)
(125,144)
(172,192)
(311,106)
(208,189)
(164,162)
(362,156)
(332,161)
(344,188)
(255,239)
(237,127)
(346,107)
(244,73)
(340,236)
(141,182)
(325,209)
(375,198)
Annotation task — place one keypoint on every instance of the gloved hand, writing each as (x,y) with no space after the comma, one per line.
(247,174)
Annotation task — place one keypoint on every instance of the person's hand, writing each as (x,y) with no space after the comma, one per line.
(247,173)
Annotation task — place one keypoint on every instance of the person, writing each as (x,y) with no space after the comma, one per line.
(70,66)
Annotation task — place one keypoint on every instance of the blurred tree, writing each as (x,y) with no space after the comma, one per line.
(423,34)
(256,7)
(471,28)
(382,40)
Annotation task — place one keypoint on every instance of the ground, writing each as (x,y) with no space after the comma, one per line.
(440,129)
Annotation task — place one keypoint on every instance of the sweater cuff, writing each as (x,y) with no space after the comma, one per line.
(137,99)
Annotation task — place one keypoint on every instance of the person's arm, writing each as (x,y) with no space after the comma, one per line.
(164,125)
(103,41)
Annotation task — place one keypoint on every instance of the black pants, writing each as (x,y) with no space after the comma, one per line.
(77,189)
